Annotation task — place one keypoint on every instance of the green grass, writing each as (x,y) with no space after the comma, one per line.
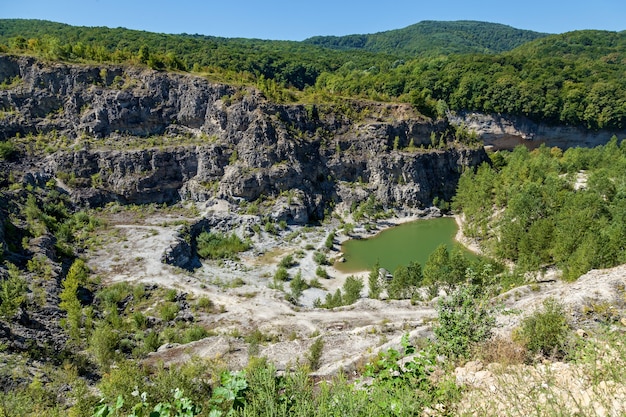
(220,246)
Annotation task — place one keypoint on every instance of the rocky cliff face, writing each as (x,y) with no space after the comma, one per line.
(506,132)
(214,140)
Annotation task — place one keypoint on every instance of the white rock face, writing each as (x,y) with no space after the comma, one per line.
(505,132)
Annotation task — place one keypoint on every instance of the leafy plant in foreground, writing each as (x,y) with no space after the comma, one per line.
(400,387)
(546,331)
(179,407)
(465,319)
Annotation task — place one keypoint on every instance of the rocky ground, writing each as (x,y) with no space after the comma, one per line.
(132,248)
(133,245)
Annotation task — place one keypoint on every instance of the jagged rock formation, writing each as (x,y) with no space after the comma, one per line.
(506,132)
(223,141)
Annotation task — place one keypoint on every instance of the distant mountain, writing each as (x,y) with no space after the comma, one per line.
(610,47)
(429,38)
(289,62)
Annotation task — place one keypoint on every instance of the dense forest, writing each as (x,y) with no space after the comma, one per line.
(575,78)
(431,38)
(555,209)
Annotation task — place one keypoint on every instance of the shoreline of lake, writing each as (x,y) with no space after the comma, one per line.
(386,224)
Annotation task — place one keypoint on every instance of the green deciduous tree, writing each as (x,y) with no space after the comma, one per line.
(405,282)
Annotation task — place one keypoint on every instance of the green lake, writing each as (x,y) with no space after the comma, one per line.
(399,245)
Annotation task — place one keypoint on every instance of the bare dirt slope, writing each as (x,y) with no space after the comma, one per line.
(132,249)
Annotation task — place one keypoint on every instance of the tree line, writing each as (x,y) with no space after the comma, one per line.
(545,207)
(574,78)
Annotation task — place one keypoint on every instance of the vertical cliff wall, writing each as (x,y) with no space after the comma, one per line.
(136,136)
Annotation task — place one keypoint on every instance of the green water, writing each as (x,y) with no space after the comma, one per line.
(399,245)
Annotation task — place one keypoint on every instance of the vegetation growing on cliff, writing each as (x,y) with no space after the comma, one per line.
(573,78)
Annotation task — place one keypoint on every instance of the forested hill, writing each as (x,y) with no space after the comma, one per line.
(576,78)
(429,38)
(289,63)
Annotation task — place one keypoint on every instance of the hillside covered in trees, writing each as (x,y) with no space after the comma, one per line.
(574,78)
(431,38)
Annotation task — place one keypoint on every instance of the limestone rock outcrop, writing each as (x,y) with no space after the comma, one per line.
(505,132)
(139,136)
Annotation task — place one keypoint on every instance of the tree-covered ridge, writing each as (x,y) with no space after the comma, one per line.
(592,44)
(582,85)
(290,63)
(575,78)
(550,208)
(430,38)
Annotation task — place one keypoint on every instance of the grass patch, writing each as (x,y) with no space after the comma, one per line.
(220,246)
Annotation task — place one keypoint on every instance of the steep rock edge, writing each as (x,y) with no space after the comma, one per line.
(223,141)
(501,131)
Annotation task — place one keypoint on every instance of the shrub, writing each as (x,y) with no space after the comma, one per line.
(103,343)
(151,341)
(297,285)
(114,294)
(179,406)
(204,304)
(321,272)
(320,258)
(171,294)
(12,292)
(315,353)
(6,150)
(281,274)
(270,228)
(405,382)
(315,283)
(546,331)
(464,320)
(168,311)
(287,261)
(330,241)
(140,321)
(195,332)
(219,246)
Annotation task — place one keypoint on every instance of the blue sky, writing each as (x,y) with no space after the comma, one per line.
(297,20)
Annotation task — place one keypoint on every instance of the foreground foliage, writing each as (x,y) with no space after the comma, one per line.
(546,331)
(465,319)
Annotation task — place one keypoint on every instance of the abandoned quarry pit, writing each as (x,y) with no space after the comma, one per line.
(133,244)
